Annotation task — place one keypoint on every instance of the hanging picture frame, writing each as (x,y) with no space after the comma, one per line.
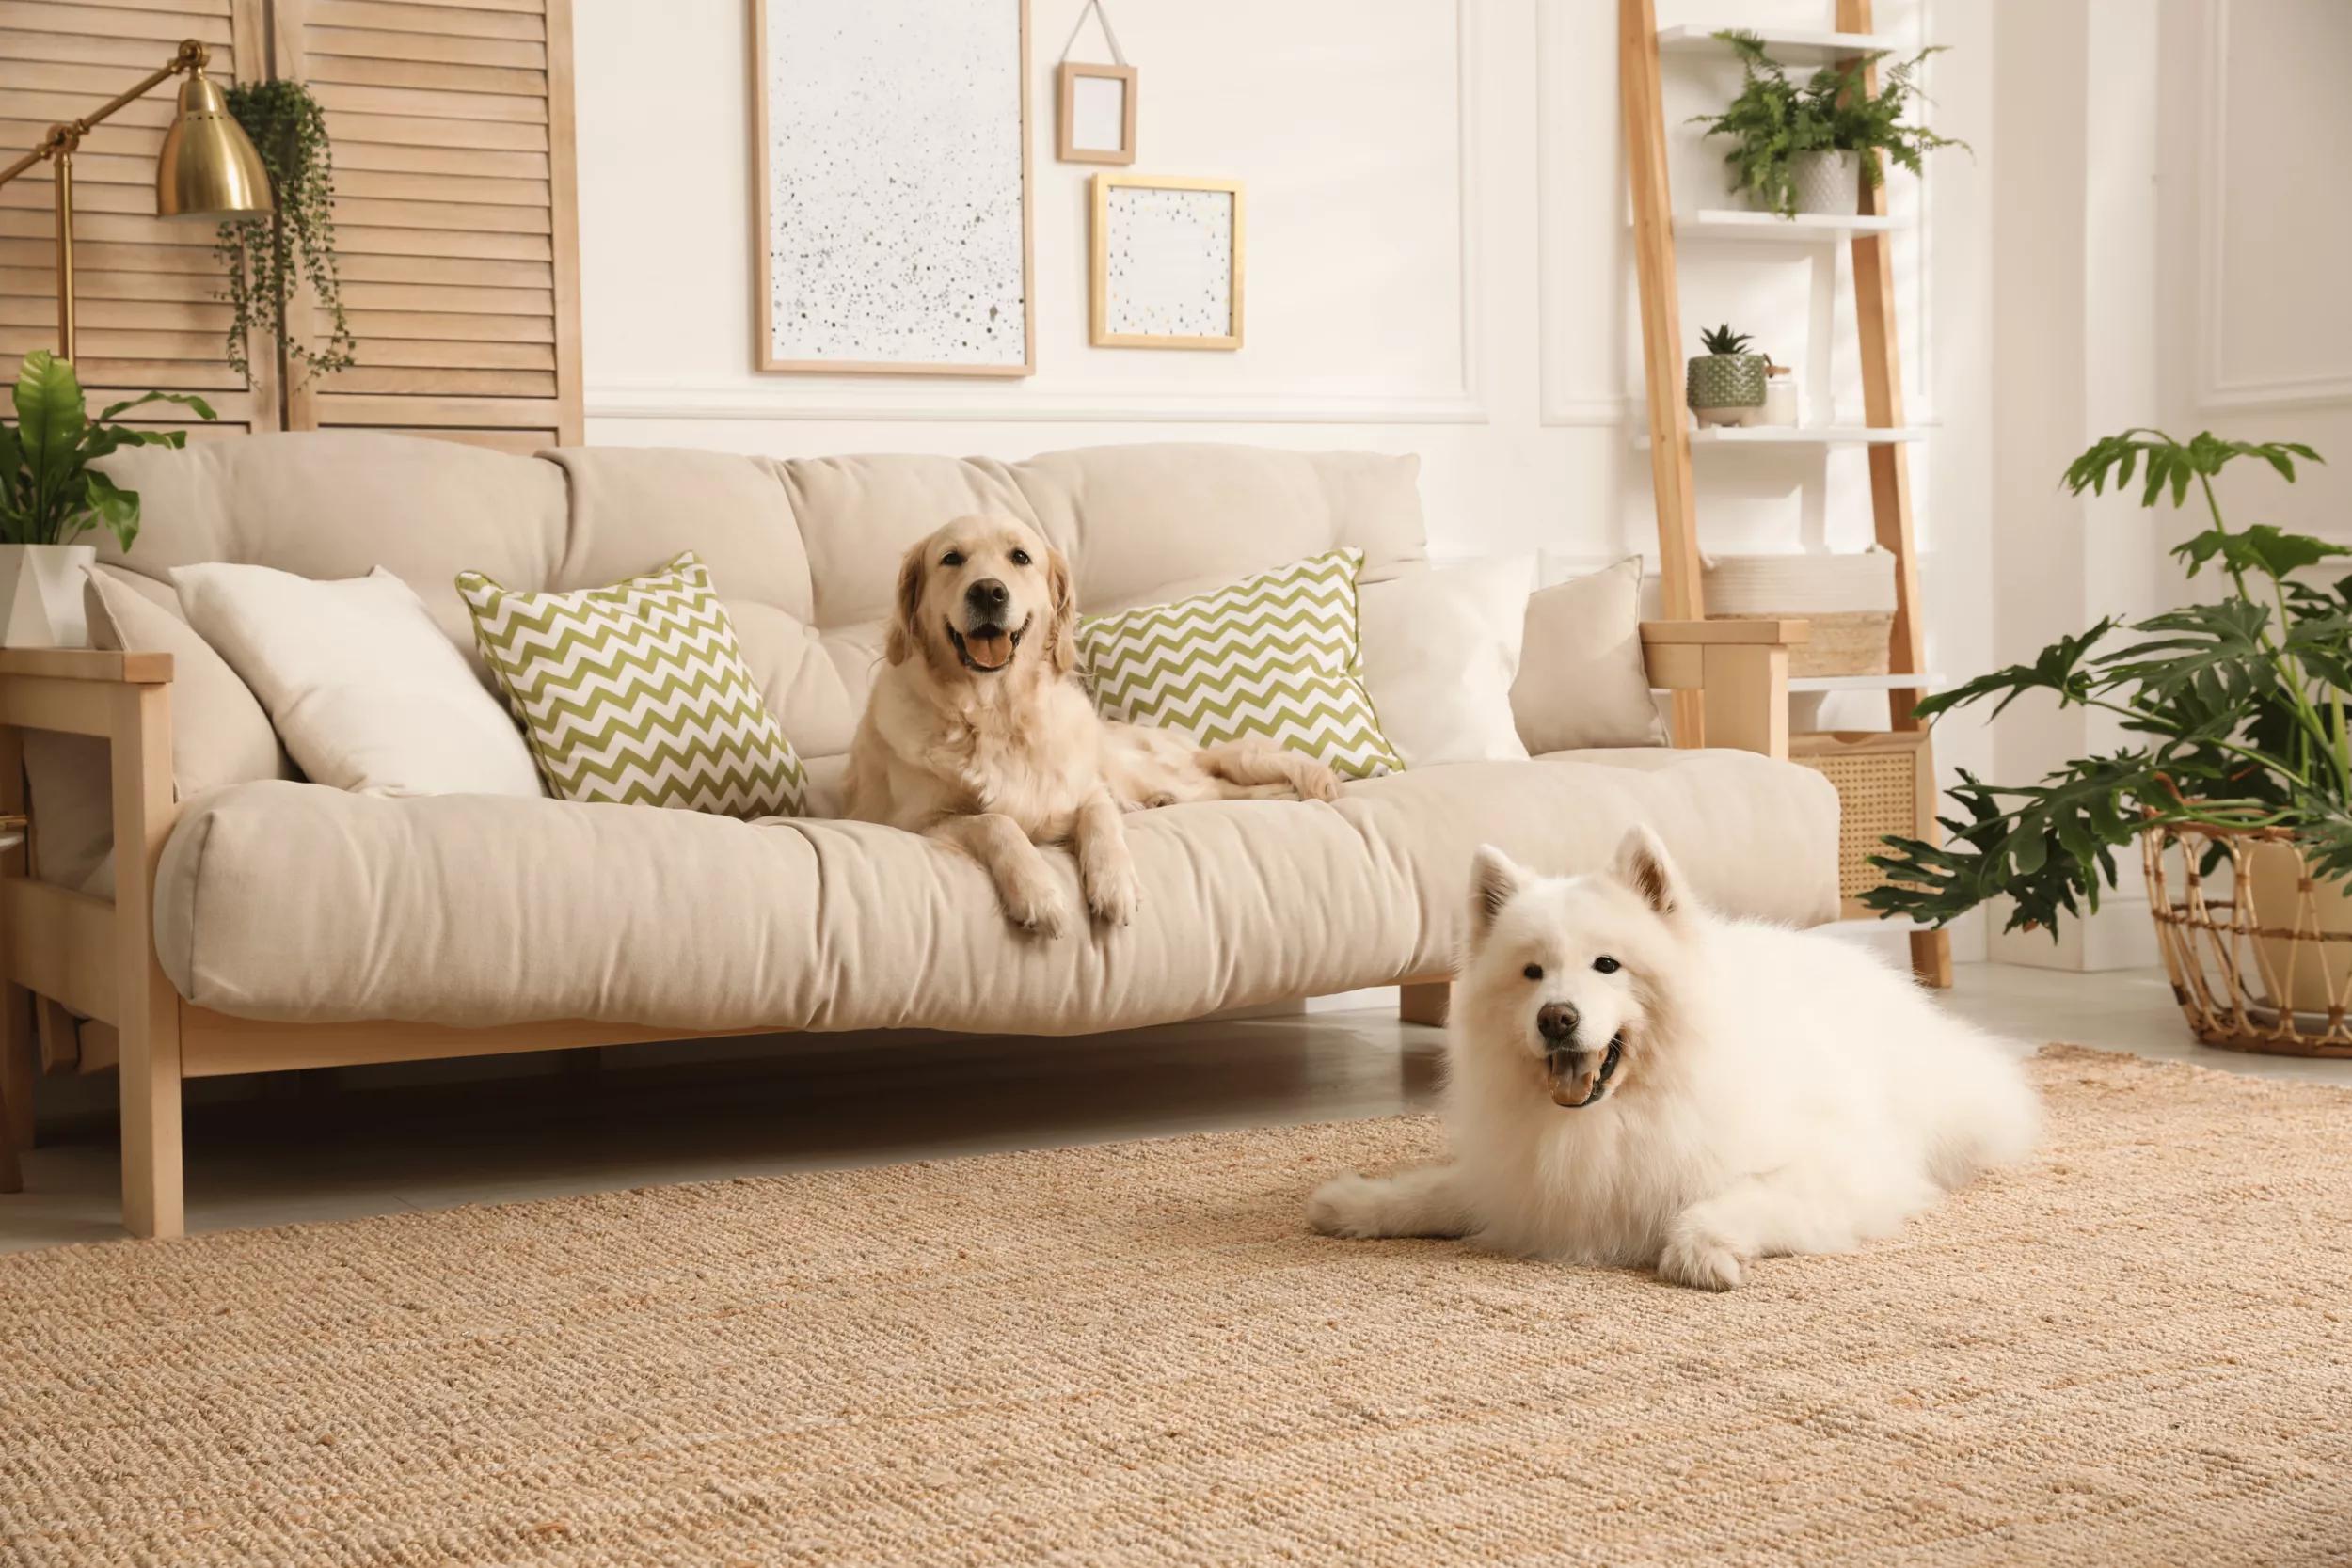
(1167,262)
(891,147)
(1097,113)
(1094,104)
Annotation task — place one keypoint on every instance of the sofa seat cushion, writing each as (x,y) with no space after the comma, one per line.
(290,901)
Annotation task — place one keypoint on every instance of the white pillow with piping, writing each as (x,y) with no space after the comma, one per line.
(1441,648)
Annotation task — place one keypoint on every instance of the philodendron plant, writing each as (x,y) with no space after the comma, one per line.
(2235,707)
(50,491)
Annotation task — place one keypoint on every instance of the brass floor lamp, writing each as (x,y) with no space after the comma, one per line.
(208,167)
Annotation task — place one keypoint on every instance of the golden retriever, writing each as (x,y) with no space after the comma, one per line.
(977,734)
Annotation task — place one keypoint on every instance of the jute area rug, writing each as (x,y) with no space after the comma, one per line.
(2139,1351)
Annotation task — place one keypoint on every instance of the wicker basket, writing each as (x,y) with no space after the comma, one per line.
(2242,923)
(1850,600)
(1884,785)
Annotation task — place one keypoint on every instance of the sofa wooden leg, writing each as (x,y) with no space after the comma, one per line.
(1424,1003)
(149,1028)
(1931,959)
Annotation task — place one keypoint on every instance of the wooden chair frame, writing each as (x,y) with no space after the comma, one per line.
(97,957)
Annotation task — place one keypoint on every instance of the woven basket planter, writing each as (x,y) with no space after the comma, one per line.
(2259,950)
(1850,600)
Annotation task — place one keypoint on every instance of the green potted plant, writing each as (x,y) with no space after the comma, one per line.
(1811,148)
(265,258)
(51,494)
(1725,385)
(2235,712)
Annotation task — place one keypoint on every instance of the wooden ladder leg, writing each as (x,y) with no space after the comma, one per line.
(1931,959)
(1646,181)
(1426,1002)
(152,1204)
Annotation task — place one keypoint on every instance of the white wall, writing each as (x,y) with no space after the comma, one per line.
(1436,263)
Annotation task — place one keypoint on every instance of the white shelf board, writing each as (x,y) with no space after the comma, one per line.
(1739,223)
(1796,436)
(1864,683)
(1792,46)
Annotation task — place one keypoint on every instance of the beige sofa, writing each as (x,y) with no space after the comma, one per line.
(277,924)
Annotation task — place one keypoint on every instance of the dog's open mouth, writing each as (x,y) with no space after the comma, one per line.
(988,649)
(1576,1080)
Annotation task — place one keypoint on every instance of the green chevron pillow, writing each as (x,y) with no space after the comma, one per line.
(1275,655)
(638,693)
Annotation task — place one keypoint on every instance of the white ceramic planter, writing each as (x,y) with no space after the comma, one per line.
(2312,974)
(40,594)
(1827,181)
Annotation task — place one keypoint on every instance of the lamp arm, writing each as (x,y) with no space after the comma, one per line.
(64,139)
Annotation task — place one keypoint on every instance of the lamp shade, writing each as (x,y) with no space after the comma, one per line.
(209,169)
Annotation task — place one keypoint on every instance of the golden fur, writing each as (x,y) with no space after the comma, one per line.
(978,736)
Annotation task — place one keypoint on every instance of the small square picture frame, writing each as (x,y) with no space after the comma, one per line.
(1165,250)
(1083,112)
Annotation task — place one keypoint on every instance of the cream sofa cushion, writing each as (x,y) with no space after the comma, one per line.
(290,901)
(1441,648)
(220,735)
(1581,680)
(360,682)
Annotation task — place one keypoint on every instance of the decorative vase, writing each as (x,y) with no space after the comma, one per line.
(40,594)
(1827,181)
(1720,387)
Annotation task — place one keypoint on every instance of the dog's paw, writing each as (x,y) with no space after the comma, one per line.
(1346,1205)
(1700,1262)
(1315,782)
(1037,908)
(1114,893)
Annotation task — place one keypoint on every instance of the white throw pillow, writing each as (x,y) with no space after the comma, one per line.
(1441,648)
(361,684)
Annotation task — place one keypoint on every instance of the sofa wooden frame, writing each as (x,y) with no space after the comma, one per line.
(63,949)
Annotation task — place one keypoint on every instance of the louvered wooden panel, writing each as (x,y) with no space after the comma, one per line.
(149,312)
(455,213)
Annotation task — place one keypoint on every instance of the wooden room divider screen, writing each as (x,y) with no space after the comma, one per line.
(455,214)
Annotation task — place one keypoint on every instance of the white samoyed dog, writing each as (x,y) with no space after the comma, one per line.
(1634,1080)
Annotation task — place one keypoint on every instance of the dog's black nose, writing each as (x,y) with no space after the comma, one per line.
(987,593)
(1556,1020)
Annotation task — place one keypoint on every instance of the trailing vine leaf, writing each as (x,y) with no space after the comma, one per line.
(266,256)
(2241,704)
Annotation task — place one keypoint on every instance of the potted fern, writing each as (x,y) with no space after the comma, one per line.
(2237,746)
(1811,147)
(1725,385)
(51,494)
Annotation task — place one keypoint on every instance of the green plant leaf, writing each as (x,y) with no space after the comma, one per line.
(117,508)
(187,400)
(49,423)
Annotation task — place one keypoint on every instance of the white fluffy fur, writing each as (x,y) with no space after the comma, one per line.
(1776,1092)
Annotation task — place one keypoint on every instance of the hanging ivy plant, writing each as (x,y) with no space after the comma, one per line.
(266,257)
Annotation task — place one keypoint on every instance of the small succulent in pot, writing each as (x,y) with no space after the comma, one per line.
(1727,381)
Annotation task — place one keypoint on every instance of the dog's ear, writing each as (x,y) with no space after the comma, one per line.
(1496,879)
(1061,639)
(1644,866)
(906,631)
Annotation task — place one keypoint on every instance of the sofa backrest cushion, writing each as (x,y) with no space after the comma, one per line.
(804,551)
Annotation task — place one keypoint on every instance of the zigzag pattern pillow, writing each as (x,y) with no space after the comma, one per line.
(638,693)
(1275,655)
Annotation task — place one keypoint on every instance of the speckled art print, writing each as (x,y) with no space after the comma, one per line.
(1167,262)
(893,185)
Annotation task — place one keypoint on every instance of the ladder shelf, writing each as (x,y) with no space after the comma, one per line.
(1882,434)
